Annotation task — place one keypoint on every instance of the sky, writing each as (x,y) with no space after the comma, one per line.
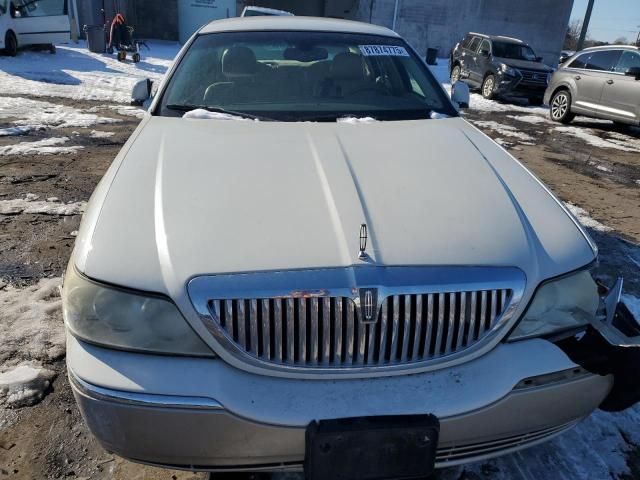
(610,19)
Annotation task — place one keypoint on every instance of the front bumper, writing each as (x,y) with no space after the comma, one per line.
(202,414)
(517,86)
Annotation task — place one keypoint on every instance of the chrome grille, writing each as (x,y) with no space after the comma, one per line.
(311,331)
(534,77)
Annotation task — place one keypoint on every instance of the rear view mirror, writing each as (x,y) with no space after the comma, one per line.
(460,94)
(633,72)
(141,91)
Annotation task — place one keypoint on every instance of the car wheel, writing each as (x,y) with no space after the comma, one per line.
(488,87)
(52,49)
(10,44)
(122,56)
(536,101)
(560,104)
(135,57)
(455,74)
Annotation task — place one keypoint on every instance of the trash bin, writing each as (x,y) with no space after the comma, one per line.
(432,56)
(95,38)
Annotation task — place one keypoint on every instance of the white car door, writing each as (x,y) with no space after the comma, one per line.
(41,21)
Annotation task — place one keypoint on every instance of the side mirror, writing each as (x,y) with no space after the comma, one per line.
(460,94)
(539,59)
(633,72)
(484,52)
(141,91)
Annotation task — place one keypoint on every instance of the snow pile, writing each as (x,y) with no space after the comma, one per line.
(31,326)
(616,141)
(128,110)
(506,130)
(74,72)
(48,146)
(100,134)
(36,114)
(356,120)
(51,206)
(25,385)
(202,114)
(437,116)
(533,119)
(584,218)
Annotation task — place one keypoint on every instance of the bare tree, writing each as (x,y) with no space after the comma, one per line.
(572,35)
(621,41)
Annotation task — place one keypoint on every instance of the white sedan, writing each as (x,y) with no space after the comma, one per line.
(305,258)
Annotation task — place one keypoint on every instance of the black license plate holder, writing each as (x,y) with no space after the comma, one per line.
(372,448)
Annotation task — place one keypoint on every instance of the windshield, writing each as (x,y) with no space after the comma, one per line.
(515,51)
(302,76)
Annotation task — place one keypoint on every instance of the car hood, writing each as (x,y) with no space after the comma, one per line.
(537,66)
(191,197)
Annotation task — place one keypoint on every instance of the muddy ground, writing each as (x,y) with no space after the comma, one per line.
(50,440)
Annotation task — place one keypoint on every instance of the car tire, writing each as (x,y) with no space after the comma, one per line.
(455,74)
(488,87)
(52,49)
(560,107)
(135,57)
(10,44)
(536,101)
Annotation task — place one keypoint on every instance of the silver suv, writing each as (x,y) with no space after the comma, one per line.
(602,82)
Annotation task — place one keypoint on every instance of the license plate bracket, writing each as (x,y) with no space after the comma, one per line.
(372,448)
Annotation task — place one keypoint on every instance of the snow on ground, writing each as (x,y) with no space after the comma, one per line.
(127,110)
(74,72)
(25,385)
(32,334)
(48,146)
(50,206)
(583,217)
(31,114)
(100,134)
(534,119)
(615,140)
(506,130)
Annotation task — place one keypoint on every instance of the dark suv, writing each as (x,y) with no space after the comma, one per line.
(500,66)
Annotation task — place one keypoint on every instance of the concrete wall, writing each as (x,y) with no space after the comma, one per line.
(442,23)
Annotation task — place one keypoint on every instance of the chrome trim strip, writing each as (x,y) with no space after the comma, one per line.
(605,109)
(142,399)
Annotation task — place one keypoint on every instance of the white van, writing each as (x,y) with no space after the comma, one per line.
(34,22)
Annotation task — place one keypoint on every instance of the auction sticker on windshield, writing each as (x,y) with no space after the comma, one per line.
(383,50)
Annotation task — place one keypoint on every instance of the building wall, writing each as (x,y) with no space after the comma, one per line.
(442,23)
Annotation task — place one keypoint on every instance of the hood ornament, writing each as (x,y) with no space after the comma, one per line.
(363,242)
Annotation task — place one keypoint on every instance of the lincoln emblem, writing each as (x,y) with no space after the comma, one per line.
(363,241)
(368,305)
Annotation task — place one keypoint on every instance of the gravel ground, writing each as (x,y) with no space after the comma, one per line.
(49,440)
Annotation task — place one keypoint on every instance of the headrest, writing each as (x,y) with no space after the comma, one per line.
(347,66)
(239,62)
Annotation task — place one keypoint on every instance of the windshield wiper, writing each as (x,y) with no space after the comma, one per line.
(188,108)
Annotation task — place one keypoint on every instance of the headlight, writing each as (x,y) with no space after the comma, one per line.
(559,305)
(119,319)
(507,70)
